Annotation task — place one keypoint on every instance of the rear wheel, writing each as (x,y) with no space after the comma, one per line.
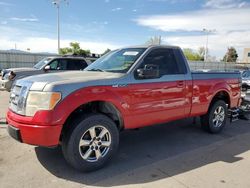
(91,142)
(215,119)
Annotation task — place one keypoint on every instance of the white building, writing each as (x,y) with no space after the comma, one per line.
(246,55)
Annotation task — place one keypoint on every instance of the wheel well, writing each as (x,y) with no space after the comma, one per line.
(102,107)
(222,95)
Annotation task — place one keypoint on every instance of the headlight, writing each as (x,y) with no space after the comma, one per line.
(41,101)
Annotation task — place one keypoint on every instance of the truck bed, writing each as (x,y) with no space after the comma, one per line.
(206,84)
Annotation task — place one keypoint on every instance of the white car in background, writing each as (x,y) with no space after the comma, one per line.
(245,75)
(47,65)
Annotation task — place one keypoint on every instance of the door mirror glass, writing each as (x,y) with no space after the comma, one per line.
(149,71)
(47,67)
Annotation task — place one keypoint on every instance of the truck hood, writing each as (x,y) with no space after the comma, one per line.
(24,72)
(68,82)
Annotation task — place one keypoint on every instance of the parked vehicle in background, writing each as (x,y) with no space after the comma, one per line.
(46,65)
(125,89)
(245,75)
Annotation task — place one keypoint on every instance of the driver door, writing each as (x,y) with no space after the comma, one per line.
(159,99)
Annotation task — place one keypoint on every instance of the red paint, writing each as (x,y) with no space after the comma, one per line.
(139,104)
(34,134)
(205,90)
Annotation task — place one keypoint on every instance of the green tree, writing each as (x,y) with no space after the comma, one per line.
(64,51)
(74,49)
(192,56)
(231,55)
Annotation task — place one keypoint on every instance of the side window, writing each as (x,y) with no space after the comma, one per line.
(76,64)
(58,64)
(80,64)
(53,65)
(62,65)
(180,61)
(164,60)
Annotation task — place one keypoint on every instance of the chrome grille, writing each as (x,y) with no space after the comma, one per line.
(18,97)
(14,97)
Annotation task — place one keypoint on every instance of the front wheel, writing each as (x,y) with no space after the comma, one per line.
(91,143)
(215,119)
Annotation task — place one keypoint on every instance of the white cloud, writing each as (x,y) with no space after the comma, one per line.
(32,19)
(116,9)
(217,44)
(221,20)
(225,4)
(5,4)
(99,23)
(40,44)
(4,22)
(232,28)
(40,41)
(171,1)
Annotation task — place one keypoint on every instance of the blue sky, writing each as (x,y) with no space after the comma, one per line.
(101,24)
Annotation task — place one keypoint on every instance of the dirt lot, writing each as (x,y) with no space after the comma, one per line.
(178,154)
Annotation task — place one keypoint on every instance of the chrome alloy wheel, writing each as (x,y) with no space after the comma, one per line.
(219,116)
(95,143)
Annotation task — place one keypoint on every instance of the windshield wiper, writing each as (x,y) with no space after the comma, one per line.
(98,70)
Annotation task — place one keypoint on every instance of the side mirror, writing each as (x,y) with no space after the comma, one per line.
(149,71)
(47,67)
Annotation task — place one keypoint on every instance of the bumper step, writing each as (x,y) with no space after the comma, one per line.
(233,114)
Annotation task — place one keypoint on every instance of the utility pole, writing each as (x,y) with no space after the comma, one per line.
(57,4)
(207,32)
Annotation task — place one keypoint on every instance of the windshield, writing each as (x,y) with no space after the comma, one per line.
(118,61)
(41,63)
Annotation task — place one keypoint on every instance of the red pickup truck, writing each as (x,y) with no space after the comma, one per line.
(128,88)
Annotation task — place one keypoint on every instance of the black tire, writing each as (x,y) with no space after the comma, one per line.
(207,122)
(74,153)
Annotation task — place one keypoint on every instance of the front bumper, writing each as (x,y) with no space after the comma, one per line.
(39,135)
(5,85)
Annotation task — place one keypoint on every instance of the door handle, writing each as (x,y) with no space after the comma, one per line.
(180,83)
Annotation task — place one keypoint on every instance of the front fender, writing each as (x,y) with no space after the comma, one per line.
(84,96)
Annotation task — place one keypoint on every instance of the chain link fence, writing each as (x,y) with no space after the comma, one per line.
(221,66)
(20,59)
